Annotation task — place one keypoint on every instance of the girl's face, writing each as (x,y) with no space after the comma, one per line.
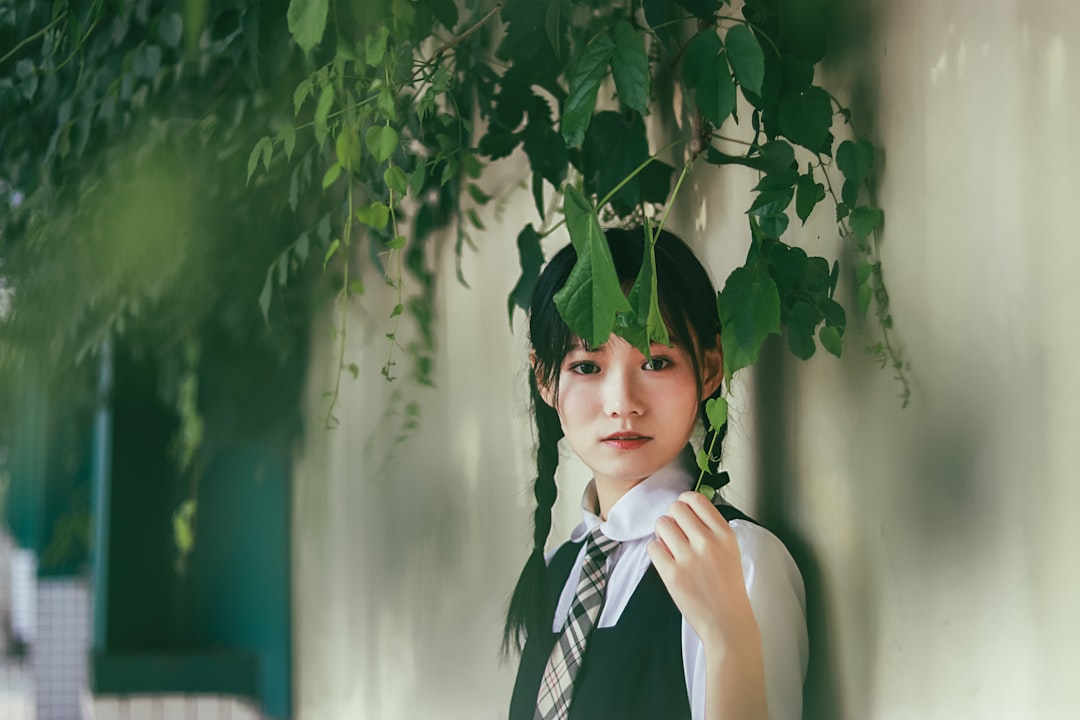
(627,416)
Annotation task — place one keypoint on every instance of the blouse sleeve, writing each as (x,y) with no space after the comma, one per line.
(777,597)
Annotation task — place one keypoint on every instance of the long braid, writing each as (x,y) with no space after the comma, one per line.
(530,607)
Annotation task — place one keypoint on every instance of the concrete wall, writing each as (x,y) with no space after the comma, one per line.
(937,540)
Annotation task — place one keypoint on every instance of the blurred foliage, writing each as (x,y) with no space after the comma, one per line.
(130,126)
(122,147)
(125,126)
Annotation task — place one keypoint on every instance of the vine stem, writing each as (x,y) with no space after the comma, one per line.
(671,199)
(343,299)
(399,281)
(701,473)
(881,292)
(611,193)
(31,38)
(479,23)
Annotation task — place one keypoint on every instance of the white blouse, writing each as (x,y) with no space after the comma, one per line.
(773,584)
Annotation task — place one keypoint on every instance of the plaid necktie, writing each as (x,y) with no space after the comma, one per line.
(557,685)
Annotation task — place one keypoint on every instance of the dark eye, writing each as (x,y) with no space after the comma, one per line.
(656,363)
(585,368)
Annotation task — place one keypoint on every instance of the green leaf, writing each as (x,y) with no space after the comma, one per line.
(382,141)
(266,294)
(287,136)
(398,309)
(833,312)
(301,93)
(332,173)
(445,11)
(707,490)
(805,117)
(591,297)
(749,309)
(644,300)
(746,58)
(556,9)
(863,271)
(701,52)
(146,61)
(585,82)
(347,147)
(356,287)
(262,150)
(375,215)
(403,13)
(375,46)
(807,194)
(387,104)
(396,243)
(630,67)
(865,219)
(478,195)
(776,156)
(307,21)
(322,112)
(863,296)
(773,225)
(831,339)
(416,179)
(801,322)
(855,160)
(702,459)
(301,248)
(614,147)
(474,219)
(530,258)
(716,410)
(772,201)
(330,252)
(395,179)
(171,29)
(715,93)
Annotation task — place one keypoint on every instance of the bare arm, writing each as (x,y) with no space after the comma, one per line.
(697,557)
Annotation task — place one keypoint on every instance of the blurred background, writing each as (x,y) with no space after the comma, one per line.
(184,536)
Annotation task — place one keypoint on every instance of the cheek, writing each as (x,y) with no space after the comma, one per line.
(683,400)
(573,403)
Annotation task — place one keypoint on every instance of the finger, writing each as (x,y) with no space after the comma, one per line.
(692,526)
(708,513)
(669,532)
(660,555)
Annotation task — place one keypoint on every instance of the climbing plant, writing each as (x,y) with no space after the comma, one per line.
(406,102)
(170,165)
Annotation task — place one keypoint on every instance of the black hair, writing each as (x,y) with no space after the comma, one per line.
(687,302)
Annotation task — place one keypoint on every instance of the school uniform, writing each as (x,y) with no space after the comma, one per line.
(643,660)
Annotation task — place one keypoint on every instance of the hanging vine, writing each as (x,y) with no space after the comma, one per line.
(572,83)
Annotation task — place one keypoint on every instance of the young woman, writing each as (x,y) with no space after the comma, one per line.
(661,605)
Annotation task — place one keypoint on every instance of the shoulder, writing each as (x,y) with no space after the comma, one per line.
(765,559)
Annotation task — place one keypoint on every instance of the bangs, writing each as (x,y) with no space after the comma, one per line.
(685,296)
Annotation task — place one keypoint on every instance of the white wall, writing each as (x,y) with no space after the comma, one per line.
(937,539)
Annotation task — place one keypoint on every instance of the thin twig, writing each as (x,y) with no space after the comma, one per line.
(31,38)
(470,31)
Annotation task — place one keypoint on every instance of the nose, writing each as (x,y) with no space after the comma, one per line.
(622,396)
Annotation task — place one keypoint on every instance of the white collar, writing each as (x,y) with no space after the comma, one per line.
(634,515)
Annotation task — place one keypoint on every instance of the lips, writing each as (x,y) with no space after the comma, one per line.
(625,440)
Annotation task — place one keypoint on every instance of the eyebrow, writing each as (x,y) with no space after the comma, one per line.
(580,344)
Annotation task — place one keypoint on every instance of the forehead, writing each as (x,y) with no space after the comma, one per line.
(614,343)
